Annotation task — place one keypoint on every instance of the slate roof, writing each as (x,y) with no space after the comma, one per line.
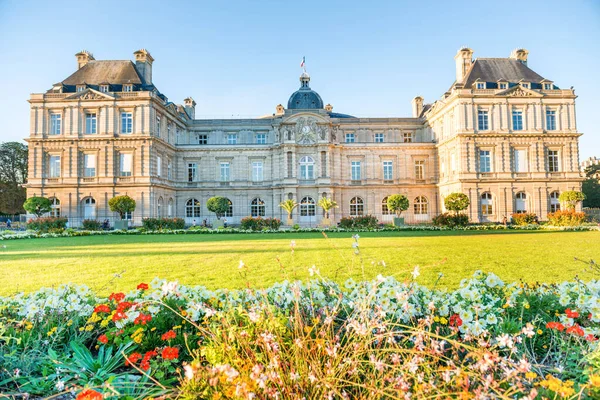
(495,69)
(115,72)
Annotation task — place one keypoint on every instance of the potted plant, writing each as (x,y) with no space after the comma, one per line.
(326,204)
(220,206)
(122,205)
(397,203)
(37,206)
(289,205)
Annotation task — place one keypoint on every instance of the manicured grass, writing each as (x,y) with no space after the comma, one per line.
(213,260)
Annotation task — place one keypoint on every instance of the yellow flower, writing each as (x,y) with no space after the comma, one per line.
(595,380)
(104,323)
(183,312)
(28,326)
(70,322)
(153,329)
(436,319)
(51,331)
(506,305)
(530,375)
(526,305)
(443,321)
(89,328)
(138,339)
(539,331)
(177,327)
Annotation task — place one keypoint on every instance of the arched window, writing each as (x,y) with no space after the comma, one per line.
(307,168)
(357,206)
(554,203)
(384,207)
(229,212)
(307,207)
(170,208)
(192,208)
(521,202)
(159,207)
(55,207)
(257,207)
(89,208)
(420,205)
(486,204)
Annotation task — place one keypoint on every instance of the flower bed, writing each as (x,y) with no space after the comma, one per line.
(380,338)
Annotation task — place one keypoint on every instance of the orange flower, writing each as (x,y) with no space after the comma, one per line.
(571,314)
(132,358)
(89,394)
(169,335)
(103,339)
(142,286)
(142,319)
(555,325)
(170,353)
(116,297)
(102,308)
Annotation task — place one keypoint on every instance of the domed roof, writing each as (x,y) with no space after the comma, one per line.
(305,98)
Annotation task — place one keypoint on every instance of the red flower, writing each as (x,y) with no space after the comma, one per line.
(169,335)
(116,297)
(555,325)
(142,286)
(142,319)
(118,316)
(132,358)
(170,353)
(575,330)
(123,306)
(455,320)
(89,394)
(103,339)
(591,338)
(571,314)
(102,308)
(145,364)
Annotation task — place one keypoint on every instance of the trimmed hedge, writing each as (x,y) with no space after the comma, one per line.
(47,224)
(524,219)
(259,224)
(450,220)
(155,224)
(567,218)
(360,222)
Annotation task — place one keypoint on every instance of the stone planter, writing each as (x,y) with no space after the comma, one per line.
(325,222)
(398,221)
(290,222)
(218,224)
(122,224)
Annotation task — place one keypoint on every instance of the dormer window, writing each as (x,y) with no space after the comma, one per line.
(127,88)
(104,88)
(80,88)
(547,86)
(526,85)
(480,85)
(502,85)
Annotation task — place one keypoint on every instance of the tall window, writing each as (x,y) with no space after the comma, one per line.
(554,202)
(54,166)
(89,165)
(89,208)
(357,206)
(55,207)
(159,207)
(521,203)
(232,138)
(349,137)
(323,163)
(384,207)
(553,165)
(257,171)
(257,208)
(168,132)
(307,207)
(90,123)
(169,169)
(420,205)
(229,212)
(192,172)
(453,162)
(420,169)
(158,132)
(126,161)
(192,208)
(202,139)
(170,208)
(480,85)
(127,88)
(379,138)
(550,120)
(547,86)
(158,165)
(485,162)
(486,204)
(224,172)
(517,120)
(407,137)
(482,119)
(55,123)
(502,85)
(388,171)
(355,173)
(261,138)
(104,88)
(289,164)
(520,160)
(126,122)
(307,168)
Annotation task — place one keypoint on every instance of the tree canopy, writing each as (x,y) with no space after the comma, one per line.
(288,206)
(397,203)
(570,198)
(327,205)
(122,205)
(591,186)
(218,205)
(456,202)
(13,174)
(37,205)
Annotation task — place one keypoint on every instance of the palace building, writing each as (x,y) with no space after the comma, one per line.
(502,134)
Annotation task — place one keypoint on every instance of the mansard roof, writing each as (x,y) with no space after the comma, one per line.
(504,69)
(96,72)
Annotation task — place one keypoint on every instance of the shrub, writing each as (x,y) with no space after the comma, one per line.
(48,224)
(155,224)
(397,203)
(524,219)
(122,205)
(450,220)
(91,225)
(37,206)
(456,202)
(566,218)
(259,224)
(360,222)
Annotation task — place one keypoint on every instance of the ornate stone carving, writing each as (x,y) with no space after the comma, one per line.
(306,131)
(91,96)
(518,92)
(323,132)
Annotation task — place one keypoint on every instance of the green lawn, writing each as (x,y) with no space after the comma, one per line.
(213,260)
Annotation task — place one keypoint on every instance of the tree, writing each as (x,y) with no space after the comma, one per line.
(570,198)
(288,206)
(456,202)
(591,187)
(397,203)
(218,205)
(327,205)
(37,205)
(13,174)
(122,205)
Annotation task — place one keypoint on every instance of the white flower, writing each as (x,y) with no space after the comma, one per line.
(313,270)
(355,236)
(528,330)
(189,372)
(493,281)
(505,341)
(466,316)
(169,288)
(355,245)
(242,265)
(491,319)
(60,385)
(416,272)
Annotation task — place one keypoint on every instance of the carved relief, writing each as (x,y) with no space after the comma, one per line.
(91,96)
(306,131)
(518,92)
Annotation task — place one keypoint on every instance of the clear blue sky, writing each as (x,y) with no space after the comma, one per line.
(242,58)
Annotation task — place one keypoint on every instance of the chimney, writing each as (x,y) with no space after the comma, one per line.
(464,59)
(279,110)
(417,106)
(143,64)
(519,55)
(329,108)
(83,57)
(190,107)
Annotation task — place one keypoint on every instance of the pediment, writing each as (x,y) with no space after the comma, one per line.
(293,119)
(90,94)
(519,91)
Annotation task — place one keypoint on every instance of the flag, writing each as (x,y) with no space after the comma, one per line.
(302,63)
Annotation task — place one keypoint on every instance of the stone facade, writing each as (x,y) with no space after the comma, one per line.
(501,134)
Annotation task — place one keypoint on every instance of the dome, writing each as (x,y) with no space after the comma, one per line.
(305,98)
